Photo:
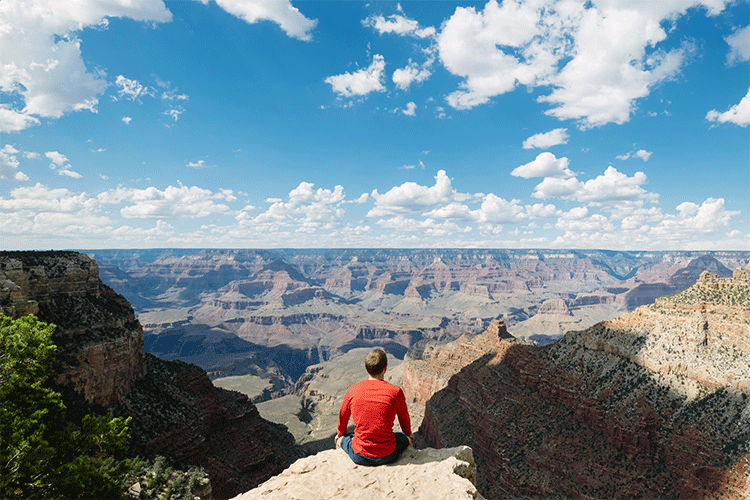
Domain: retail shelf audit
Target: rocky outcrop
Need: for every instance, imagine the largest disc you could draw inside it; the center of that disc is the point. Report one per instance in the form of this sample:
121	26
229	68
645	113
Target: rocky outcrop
99	341
654	404
427	474
428	369
176	410
179	413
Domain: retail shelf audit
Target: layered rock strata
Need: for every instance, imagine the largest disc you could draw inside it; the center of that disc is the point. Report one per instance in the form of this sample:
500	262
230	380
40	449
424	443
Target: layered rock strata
99	341
654	404
427	474
178	412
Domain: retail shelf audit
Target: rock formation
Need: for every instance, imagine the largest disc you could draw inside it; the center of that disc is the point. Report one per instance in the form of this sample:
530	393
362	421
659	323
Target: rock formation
176	410
428	474
654	404
99	341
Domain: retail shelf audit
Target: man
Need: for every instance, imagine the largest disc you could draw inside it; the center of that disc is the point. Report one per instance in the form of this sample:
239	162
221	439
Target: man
373	404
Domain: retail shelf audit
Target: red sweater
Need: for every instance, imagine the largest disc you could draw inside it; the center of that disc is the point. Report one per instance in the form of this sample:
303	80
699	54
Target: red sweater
373	405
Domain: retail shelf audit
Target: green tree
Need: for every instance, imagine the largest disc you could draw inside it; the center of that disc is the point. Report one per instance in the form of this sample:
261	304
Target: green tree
41	454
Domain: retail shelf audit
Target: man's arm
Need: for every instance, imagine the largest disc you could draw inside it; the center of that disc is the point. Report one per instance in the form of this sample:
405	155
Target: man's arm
344	414
403	414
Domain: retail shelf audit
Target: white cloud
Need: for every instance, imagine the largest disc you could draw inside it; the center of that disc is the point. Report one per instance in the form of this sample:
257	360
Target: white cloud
411	197
41	60
40	198
175	112
9	164
306	211
739	46
69	173
57	158
31	155
126	120
198	164
738	114
281	12
13	121
693	220
360	82
131	89
411	109
404	77
547	139
398	25
641	153
611	188
545	165
599	57
181	202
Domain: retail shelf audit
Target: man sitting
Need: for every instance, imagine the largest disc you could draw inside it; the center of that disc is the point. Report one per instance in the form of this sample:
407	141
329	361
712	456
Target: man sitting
373	404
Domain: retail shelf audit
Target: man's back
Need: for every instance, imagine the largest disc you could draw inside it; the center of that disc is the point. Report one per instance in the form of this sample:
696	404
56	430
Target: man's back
373	406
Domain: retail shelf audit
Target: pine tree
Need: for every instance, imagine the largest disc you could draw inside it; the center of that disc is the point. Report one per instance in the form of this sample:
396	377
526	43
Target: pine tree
42	455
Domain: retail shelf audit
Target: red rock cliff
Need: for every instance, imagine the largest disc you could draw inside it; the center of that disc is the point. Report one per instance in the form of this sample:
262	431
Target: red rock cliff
655	404
99	341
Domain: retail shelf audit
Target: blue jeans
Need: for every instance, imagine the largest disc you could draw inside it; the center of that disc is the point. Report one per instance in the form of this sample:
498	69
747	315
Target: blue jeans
402	443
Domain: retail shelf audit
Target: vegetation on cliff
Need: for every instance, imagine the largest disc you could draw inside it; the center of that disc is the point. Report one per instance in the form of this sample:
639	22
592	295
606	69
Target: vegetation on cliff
45	452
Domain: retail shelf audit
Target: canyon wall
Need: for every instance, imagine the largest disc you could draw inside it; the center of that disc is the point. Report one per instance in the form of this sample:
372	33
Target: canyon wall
99	342
176	410
653	404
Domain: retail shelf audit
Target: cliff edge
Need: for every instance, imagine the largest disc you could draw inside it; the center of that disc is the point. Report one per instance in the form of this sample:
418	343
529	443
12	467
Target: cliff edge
654	404
428	474
176	410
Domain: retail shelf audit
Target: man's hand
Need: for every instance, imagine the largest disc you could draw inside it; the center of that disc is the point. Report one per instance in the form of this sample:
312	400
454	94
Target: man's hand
411	440
337	442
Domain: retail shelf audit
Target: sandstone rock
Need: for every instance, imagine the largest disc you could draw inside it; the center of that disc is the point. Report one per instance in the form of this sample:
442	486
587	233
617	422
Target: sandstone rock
654	404
428	474
99	341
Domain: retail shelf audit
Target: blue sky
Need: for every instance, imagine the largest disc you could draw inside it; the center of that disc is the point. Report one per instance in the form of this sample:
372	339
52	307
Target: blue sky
612	124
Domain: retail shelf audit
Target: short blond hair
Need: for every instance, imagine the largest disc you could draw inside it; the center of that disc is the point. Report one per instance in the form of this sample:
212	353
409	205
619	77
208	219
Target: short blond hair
376	361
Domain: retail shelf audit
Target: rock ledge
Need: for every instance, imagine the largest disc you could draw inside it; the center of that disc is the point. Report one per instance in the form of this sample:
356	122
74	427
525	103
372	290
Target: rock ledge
427	474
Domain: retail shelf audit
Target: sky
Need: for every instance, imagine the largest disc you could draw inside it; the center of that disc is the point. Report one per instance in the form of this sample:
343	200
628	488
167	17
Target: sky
599	124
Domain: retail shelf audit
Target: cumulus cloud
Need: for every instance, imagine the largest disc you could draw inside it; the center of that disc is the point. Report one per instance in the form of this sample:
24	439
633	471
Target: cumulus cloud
40	198
126	120
412	197
692	219
57	158
411	109
545	165
598	57
547	139
9	164
739	46
404	77
40	54
738	114
307	210
360	82
611	188
281	12
181	202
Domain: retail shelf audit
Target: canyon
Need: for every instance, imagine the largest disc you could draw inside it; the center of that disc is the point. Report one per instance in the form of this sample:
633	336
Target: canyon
652	404
630	400
273	313
100	365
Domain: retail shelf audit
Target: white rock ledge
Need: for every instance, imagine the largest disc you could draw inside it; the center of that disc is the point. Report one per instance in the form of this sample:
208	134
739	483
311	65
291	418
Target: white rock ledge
429	474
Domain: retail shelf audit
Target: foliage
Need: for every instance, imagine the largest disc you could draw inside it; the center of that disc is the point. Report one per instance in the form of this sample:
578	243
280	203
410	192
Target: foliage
42	455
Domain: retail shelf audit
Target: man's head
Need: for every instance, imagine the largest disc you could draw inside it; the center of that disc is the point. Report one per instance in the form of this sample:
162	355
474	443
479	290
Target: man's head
376	361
